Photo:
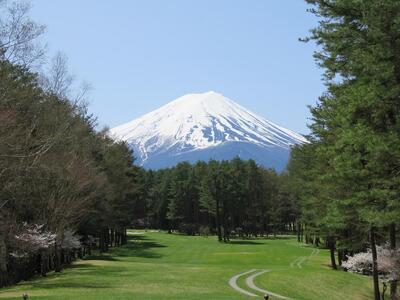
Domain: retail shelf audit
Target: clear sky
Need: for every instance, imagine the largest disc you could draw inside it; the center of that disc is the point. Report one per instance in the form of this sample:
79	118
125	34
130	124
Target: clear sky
141	54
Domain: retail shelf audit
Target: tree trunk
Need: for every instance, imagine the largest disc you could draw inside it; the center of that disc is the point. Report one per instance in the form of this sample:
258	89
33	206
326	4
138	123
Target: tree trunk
218	221
375	274
340	256
301	232
57	263
44	263
118	237
3	262
104	239
112	239
125	236
393	284
107	238
331	245
101	241
51	260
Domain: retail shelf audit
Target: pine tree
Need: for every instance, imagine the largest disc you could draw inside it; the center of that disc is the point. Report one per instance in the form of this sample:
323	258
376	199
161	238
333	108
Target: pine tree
357	120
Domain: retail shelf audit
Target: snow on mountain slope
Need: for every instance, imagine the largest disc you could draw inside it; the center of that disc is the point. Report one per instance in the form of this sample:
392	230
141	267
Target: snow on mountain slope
198	122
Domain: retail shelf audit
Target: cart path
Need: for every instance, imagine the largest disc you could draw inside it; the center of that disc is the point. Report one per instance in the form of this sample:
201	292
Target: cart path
233	283
300	260
250	284
252	274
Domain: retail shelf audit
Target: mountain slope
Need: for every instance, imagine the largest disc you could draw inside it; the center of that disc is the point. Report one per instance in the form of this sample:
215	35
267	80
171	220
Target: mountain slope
204	126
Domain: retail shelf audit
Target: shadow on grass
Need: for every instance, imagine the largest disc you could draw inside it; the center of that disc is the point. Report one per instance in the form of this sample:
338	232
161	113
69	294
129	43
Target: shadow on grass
66	279
245	242
139	246
281	237
70	285
264	238
98	257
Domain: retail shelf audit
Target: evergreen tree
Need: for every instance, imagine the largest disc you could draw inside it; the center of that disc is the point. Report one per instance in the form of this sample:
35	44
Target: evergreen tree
357	120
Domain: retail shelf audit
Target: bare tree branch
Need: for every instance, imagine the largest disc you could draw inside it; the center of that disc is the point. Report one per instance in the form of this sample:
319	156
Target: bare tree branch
19	35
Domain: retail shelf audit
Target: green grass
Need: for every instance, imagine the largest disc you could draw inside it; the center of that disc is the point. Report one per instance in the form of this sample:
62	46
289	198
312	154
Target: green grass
163	266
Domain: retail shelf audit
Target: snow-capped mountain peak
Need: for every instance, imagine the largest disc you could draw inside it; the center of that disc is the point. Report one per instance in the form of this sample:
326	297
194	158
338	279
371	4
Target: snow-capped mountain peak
201	121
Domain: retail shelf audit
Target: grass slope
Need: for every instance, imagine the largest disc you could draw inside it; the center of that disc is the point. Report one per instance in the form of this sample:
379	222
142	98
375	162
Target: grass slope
163	266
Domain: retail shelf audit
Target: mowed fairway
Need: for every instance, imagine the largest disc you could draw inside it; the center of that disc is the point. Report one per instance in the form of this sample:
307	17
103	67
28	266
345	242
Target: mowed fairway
157	265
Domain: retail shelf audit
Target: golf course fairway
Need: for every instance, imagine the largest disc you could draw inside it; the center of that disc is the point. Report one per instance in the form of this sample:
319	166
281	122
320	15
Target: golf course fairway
158	265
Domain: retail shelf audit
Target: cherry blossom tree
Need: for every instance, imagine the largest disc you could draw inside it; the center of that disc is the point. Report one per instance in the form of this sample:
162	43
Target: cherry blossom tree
388	264
31	239
70	240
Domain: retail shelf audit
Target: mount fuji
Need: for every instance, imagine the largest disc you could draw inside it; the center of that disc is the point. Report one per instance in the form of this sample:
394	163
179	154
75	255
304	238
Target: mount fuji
202	127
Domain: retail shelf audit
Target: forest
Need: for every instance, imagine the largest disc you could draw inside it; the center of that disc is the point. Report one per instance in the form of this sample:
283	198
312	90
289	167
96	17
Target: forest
347	178
66	187
221	198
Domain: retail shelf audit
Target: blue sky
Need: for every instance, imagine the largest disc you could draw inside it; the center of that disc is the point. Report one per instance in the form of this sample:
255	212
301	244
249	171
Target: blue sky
139	55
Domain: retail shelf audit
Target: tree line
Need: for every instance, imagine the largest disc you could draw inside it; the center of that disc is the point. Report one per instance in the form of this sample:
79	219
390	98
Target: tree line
64	186
346	179
225	198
